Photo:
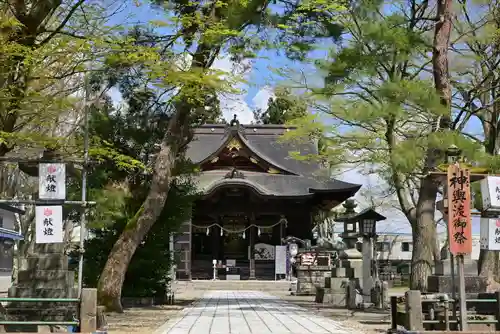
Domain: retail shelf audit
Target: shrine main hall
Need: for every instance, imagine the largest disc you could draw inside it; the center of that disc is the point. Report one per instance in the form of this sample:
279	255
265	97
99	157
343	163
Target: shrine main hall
254	194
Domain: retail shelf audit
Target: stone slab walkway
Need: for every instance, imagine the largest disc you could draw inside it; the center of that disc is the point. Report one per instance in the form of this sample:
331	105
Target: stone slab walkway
245	312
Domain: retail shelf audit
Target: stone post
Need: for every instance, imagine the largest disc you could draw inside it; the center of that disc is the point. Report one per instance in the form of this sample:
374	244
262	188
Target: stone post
367	269
88	311
414	315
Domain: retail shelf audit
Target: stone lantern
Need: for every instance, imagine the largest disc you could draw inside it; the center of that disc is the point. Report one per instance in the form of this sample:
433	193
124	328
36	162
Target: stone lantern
366	220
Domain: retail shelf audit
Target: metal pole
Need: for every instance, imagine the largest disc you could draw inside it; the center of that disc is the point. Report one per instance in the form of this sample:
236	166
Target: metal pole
84	185
461	291
452	257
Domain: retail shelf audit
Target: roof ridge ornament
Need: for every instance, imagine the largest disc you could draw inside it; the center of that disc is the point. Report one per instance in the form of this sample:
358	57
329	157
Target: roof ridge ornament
234	121
234	174
235	127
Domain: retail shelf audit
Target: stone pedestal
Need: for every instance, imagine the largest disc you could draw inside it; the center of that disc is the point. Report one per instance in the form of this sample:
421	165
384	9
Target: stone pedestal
443	284
311	277
441	281
44	274
336	288
443	267
340	288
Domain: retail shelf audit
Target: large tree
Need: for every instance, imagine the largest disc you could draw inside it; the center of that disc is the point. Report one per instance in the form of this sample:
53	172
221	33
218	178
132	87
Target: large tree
385	112
208	29
281	108
475	58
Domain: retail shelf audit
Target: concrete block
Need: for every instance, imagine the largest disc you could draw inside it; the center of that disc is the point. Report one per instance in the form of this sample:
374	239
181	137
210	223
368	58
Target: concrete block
443	284
45	262
339	272
356	272
336	283
335	299
49	248
19	292
45	275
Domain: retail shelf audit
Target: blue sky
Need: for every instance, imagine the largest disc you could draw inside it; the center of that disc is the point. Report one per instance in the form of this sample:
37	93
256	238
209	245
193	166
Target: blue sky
261	78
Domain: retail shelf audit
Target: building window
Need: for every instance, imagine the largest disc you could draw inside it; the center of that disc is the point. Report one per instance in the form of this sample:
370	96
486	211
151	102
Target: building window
383	246
406	246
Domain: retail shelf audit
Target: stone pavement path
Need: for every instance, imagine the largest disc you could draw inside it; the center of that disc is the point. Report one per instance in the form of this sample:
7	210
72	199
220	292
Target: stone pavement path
245	312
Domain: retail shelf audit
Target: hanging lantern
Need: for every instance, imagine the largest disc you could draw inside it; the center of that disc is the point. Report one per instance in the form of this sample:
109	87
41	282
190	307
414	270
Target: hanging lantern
208	231
258	231
243	235
221	232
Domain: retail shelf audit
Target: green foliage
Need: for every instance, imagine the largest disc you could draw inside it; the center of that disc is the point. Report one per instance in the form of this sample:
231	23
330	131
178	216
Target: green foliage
134	132
281	109
147	273
379	109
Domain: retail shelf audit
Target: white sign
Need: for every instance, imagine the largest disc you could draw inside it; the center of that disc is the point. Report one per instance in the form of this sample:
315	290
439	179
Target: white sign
280	260
52	181
49	225
490	193
490	234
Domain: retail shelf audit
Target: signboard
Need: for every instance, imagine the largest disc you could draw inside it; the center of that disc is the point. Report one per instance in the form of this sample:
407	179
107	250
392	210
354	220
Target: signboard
263	252
490	193
280	260
49	225
490	234
52	181
459	217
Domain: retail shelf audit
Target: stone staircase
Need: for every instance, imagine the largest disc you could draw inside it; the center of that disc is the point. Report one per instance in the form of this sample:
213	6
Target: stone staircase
253	285
43	274
203	270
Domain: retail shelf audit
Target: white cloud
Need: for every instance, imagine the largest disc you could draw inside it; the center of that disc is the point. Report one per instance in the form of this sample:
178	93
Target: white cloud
235	104
260	99
373	186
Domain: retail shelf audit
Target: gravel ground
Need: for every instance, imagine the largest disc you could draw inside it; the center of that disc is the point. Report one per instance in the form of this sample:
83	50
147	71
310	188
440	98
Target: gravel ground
143	319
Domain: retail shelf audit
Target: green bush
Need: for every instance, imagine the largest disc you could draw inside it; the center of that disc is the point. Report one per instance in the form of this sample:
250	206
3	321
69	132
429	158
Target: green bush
148	271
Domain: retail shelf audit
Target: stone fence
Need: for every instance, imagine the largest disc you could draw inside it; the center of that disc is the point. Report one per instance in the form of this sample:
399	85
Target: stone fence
419	313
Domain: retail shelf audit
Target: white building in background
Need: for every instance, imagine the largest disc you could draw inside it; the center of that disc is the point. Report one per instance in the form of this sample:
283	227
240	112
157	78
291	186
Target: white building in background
8	235
399	246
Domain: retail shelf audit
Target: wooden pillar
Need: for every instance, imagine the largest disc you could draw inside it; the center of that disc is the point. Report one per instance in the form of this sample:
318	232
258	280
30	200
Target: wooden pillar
182	247
214	237
252	252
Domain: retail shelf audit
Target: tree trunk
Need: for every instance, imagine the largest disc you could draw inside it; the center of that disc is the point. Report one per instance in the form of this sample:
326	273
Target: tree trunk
424	231
424	236
440	69
113	275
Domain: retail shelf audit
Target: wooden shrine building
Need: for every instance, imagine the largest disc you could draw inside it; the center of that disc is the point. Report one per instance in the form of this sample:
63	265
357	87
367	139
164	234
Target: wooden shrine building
254	195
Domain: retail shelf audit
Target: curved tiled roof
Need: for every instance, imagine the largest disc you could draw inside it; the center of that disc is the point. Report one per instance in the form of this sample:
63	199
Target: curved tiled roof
263	140
274	184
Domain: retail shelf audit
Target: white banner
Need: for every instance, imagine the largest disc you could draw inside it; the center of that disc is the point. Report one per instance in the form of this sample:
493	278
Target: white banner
49	224
52	181
280	260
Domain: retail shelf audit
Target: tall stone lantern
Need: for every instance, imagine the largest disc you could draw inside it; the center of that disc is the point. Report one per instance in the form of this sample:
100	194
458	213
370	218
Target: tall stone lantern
350	234
366	220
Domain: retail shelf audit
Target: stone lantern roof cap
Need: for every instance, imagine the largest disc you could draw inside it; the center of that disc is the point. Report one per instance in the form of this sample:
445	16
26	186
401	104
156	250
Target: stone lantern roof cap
368	213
